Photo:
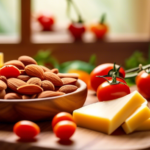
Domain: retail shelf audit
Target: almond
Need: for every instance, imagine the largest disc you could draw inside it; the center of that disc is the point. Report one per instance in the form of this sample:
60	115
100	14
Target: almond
14	83
35	71
68	88
49	94
45	69
26	60
34	80
3	78
24	77
29	89
28	97
68	75
47	85
53	78
3	85
55	70
22	72
12	96
2	94
68	81
16	63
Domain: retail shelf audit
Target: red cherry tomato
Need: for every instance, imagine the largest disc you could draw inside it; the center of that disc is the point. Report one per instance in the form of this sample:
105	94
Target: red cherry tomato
77	30
106	91
26	129
64	129
9	71
143	83
102	70
61	117
46	21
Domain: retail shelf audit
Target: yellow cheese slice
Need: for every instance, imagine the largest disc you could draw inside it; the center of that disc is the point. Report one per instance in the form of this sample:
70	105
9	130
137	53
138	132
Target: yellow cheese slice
1	60
107	116
145	126
136	119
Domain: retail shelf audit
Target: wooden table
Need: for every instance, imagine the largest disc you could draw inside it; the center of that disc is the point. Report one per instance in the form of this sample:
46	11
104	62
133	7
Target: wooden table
83	139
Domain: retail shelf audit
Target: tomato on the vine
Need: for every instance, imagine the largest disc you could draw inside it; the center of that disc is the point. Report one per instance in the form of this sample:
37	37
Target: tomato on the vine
143	83
109	91
102	70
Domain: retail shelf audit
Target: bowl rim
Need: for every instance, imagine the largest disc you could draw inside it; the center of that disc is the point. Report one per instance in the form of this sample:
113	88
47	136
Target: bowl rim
81	84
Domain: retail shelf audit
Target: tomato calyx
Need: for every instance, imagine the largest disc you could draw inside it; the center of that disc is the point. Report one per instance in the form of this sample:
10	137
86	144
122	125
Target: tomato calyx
114	79
116	70
102	19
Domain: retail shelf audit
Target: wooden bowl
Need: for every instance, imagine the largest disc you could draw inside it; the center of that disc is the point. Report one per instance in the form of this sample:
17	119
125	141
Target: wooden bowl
42	108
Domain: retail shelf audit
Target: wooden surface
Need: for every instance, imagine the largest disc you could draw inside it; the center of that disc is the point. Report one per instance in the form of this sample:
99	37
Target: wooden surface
83	139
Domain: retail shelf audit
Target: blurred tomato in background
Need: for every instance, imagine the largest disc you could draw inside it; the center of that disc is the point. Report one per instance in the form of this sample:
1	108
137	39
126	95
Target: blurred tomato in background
84	76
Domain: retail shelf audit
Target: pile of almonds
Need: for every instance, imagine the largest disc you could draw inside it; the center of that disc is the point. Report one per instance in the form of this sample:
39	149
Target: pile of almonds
34	81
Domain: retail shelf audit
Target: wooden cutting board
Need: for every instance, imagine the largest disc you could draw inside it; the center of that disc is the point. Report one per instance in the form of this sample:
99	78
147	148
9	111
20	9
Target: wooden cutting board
83	139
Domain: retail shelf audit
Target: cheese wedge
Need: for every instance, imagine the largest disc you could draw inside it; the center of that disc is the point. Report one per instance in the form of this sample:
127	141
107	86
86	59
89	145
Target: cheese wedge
136	119
107	116
1	60
145	126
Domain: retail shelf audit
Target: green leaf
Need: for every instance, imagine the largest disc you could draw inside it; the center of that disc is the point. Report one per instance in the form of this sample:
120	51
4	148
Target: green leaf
92	60
135	59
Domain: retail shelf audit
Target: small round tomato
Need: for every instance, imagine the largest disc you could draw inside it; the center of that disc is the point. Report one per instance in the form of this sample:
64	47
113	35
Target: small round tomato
143	83
9	71
102	70
64	129
77	30
99	30
84	76
46	21
61	117
107	91
26	129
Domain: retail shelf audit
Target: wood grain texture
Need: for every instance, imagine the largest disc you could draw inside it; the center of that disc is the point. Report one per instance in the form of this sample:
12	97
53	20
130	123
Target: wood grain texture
83	139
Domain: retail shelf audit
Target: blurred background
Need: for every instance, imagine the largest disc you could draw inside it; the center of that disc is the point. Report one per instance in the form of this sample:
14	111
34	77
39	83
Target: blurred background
111	31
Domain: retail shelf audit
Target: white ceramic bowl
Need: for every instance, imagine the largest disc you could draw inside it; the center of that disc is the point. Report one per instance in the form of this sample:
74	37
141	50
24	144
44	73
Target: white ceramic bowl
42	108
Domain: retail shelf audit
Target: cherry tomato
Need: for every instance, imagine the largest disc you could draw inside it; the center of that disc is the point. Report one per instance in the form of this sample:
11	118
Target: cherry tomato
77	30
9	71
99	30
102	70
26	129
107	91
64	129
143	83
61	117
46	21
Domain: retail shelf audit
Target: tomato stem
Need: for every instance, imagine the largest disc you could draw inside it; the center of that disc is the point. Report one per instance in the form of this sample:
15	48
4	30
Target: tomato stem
69	2
102	19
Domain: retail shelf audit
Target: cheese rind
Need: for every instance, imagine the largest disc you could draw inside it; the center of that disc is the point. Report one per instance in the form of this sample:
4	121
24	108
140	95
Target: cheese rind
107	116
145	126
136	119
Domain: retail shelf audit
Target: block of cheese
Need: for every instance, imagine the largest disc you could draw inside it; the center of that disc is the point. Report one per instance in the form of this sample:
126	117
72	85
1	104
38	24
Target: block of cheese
136	119
107	116
145	126
1	60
